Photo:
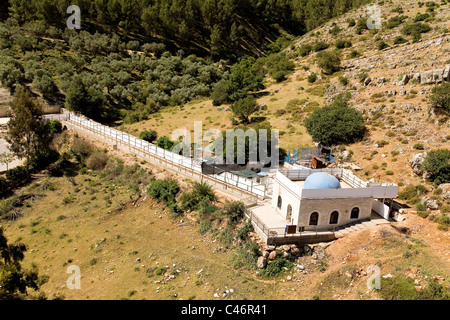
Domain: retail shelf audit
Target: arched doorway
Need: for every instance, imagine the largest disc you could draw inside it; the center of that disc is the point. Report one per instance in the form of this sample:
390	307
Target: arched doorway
289	213
314	219
334	217
355	213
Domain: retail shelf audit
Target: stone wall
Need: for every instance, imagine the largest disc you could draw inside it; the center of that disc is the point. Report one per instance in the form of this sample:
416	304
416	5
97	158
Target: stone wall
326	206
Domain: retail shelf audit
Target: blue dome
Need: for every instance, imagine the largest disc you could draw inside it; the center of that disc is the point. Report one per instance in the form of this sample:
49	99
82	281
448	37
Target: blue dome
321	180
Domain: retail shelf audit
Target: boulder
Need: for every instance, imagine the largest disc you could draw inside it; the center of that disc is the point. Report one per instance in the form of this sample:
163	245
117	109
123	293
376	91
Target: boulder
445	191
427	77
273	255
285	248
405	80
367	81
306	248
446	74
261	263
416	162
430	203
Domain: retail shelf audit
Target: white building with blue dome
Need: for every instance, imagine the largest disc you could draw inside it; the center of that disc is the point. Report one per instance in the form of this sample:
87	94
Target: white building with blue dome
316	203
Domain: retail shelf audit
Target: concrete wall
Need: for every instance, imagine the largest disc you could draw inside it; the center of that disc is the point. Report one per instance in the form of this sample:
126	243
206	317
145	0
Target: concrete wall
326	206
288	197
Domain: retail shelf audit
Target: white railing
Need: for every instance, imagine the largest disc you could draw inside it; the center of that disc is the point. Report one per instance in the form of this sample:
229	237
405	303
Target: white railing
144	148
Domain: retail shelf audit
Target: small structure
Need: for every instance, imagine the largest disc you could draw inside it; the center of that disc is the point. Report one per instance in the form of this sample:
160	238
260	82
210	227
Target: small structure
317	202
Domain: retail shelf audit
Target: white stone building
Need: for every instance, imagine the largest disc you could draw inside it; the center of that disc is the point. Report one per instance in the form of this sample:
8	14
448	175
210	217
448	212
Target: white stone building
320	200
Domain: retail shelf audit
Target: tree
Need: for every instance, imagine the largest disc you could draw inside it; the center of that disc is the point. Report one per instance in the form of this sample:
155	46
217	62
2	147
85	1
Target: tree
437	163
6	158
11	73
335	124
220	93
88	101
440	98
149	136
244	108
329	61
14	281
27	130
244	77
165	143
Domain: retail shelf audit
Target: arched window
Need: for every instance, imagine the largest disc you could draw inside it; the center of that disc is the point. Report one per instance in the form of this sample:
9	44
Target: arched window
314	219
289	213
355	213
334	217
279	202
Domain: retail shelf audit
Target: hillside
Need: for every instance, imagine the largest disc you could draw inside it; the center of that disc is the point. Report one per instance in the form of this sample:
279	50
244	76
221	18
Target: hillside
131	245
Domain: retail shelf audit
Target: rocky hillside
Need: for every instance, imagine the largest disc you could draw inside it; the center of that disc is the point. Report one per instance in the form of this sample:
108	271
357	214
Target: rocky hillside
388	74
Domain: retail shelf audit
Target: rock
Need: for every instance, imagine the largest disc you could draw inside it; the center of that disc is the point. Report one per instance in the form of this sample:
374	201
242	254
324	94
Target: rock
306	248
430	203
286	254
261	263
265	254
288	278
367	81
445	191
272	255
295	252
285	248
405	80
416	162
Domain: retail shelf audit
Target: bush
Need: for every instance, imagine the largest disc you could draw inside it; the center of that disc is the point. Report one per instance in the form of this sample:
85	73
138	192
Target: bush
342	44
202	194
419	146
382	45
97	161
403	288
17	174
354	54
437	163
55	126
336	124
400	40
395	21
321	45
312	78
164	190
440	98
165	143
276	267
305	50
149	136
329	62
234	210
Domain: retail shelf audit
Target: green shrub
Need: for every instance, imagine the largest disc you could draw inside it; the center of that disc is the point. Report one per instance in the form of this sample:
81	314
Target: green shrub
399	40
97	161
437	163
440	98
276	267
17	174
55	126
148	135
204	227
234	210
329	62
320	45
342	44
336	124
305	50
419	146
312	78
382	45
164	190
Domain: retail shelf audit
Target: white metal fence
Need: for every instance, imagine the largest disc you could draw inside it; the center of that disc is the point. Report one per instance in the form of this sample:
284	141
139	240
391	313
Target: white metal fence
143	148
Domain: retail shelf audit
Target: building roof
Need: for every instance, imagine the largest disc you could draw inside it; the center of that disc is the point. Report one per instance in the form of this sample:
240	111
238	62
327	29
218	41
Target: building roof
321	180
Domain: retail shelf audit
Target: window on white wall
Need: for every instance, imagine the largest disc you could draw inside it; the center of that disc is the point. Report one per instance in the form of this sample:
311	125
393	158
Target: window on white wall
334	217
314	219
355	213
279	202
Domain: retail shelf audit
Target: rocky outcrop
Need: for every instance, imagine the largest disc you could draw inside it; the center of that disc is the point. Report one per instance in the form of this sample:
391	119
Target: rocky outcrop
416	162
445	191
